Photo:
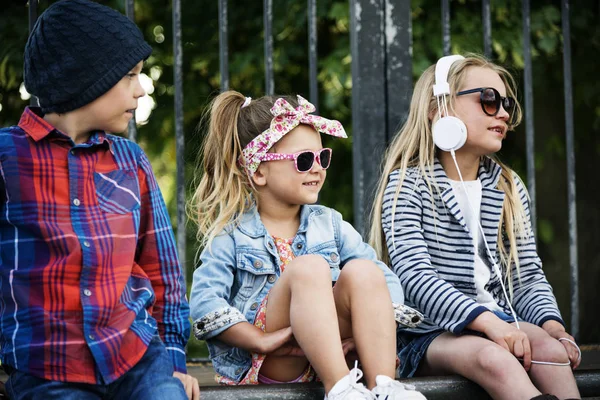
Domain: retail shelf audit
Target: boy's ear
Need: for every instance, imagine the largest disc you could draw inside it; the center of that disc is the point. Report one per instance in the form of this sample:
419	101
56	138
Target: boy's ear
259	178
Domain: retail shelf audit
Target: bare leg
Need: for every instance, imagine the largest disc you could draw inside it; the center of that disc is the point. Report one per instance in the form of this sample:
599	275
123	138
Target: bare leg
482	361
556	380
365	312
302	298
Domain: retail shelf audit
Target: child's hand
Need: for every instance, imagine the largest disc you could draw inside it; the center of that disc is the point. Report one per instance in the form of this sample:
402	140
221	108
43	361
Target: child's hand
280	343
505	335
511	339
190	384
348	345
557	331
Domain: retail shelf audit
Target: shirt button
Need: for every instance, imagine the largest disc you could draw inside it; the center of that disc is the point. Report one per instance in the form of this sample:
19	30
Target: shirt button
87	292
299	246
91	337
254	306
271	278
258	264
86	243
76	202
334	257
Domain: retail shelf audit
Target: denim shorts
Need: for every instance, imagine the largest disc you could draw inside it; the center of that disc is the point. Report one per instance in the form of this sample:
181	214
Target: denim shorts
414	345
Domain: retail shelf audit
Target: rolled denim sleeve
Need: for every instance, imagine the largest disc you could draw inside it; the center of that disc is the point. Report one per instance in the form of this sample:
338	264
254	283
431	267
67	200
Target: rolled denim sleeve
211	289
352	246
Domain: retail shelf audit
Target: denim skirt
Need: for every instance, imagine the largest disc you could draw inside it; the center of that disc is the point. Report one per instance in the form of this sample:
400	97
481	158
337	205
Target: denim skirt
413	346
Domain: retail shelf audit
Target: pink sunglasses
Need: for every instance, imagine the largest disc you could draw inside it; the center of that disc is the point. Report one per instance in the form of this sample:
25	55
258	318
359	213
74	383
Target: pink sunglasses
303	160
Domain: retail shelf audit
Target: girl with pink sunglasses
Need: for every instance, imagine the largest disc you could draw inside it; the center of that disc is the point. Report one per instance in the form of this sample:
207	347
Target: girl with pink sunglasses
286	289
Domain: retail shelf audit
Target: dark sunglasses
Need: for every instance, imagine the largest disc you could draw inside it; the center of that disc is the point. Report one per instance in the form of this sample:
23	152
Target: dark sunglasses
491	100
304	160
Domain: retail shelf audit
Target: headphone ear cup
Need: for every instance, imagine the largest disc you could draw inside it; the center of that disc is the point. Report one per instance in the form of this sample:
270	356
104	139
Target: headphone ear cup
449	133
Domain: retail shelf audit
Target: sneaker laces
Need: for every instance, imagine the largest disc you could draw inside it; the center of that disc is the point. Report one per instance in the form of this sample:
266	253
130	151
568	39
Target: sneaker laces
355	387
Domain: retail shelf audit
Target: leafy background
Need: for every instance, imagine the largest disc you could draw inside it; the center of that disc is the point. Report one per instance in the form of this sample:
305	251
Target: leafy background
246	61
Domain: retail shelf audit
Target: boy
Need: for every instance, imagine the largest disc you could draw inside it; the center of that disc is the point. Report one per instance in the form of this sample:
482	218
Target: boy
92	296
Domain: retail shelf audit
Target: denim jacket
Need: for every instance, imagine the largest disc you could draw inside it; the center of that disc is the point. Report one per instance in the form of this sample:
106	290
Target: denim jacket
239	268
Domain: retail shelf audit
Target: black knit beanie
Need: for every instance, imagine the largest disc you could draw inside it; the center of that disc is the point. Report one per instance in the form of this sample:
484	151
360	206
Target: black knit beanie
78	50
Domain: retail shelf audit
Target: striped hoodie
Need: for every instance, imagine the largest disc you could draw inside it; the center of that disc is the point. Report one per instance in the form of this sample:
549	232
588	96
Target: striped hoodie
431	250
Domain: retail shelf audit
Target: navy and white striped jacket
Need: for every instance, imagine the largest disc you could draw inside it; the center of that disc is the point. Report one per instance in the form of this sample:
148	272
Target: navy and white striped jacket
432	252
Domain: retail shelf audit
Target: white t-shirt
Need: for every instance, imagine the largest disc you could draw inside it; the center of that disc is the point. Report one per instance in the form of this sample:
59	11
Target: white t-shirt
483	266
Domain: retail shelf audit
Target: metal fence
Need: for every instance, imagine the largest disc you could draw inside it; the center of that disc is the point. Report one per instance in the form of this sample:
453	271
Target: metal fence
381	48
382	65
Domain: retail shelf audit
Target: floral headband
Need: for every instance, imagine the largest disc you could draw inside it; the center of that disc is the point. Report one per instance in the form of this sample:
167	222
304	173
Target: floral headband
286	118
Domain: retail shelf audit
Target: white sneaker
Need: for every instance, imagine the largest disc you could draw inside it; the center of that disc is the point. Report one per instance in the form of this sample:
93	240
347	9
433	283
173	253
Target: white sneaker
390	389
348	388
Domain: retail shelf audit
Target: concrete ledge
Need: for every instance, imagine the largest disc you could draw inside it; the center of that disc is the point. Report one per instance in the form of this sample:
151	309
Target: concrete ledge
434	388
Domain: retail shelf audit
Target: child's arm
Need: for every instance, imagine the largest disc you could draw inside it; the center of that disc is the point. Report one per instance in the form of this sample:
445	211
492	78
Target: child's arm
210	299
440	301
156	254
533	297
210	296
352	246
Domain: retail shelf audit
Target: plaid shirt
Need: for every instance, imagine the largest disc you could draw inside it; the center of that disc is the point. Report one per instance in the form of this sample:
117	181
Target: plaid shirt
88	264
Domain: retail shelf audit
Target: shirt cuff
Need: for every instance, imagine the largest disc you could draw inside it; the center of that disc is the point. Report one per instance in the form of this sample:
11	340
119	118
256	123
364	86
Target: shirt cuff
407	316
217	320
551	318
472	315
178	356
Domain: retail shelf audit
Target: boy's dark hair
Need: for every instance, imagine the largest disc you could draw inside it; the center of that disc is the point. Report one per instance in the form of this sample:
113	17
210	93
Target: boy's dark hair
77	51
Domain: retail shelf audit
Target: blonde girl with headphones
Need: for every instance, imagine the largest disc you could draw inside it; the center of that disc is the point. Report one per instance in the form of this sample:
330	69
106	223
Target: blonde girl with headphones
453	223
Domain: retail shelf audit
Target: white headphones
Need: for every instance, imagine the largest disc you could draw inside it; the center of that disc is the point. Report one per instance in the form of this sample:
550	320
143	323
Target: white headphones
449	133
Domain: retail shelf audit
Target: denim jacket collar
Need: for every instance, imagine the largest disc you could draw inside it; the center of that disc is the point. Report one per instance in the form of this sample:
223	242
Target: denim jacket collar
252	226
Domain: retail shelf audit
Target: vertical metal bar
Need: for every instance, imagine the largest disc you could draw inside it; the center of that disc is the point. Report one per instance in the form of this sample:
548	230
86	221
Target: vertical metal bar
566	31
223	45
132	126
312	53
369	119
446	26
398	40
33	15
487	28
529	128
268	23
179	137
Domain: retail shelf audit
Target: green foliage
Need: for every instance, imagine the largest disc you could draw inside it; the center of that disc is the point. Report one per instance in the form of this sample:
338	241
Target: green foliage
201	77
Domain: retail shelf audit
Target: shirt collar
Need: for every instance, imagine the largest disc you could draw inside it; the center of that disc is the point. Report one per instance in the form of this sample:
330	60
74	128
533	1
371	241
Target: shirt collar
33	123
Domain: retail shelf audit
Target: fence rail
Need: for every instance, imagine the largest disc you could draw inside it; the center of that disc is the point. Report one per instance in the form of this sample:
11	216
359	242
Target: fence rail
381	50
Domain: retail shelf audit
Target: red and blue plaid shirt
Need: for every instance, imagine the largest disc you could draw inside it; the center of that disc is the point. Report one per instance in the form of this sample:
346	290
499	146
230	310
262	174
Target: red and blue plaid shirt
88	264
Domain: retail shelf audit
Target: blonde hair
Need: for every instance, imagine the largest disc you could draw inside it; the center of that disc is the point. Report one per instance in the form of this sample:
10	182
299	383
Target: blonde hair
225	192
413	147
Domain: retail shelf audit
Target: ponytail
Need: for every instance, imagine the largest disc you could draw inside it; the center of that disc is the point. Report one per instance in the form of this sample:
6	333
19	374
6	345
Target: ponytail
225	192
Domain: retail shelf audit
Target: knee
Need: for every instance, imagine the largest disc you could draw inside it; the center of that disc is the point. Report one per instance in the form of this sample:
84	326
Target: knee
495	361
309	268
364	273
548	349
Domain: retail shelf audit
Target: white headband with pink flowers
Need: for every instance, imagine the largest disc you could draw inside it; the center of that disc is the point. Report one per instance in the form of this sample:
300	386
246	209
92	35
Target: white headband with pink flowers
286	118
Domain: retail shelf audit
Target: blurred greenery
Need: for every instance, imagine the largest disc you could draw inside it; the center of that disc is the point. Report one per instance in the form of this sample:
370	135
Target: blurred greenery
200	37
